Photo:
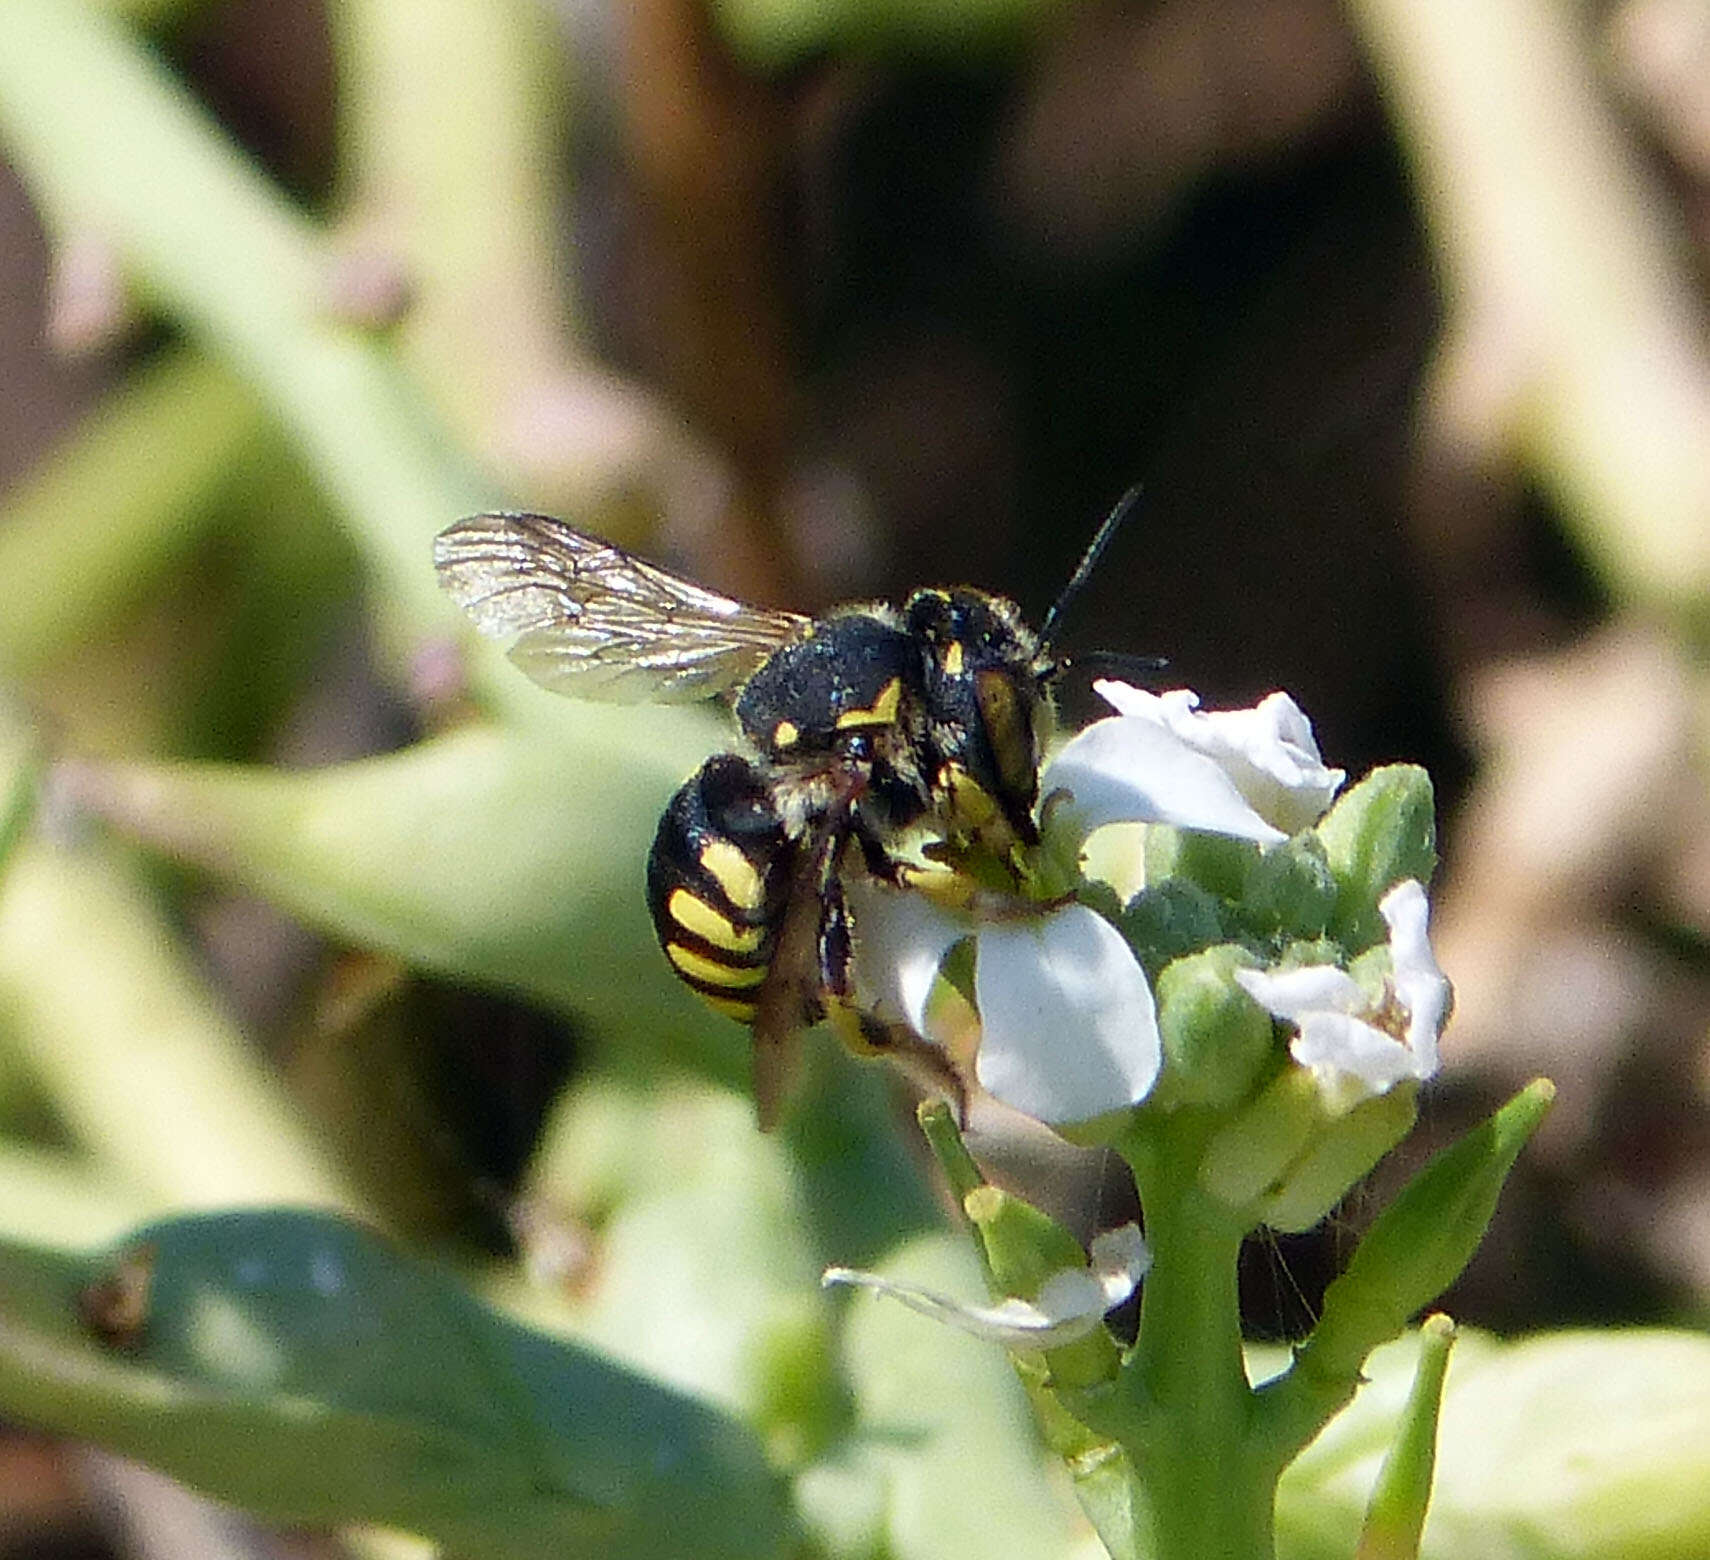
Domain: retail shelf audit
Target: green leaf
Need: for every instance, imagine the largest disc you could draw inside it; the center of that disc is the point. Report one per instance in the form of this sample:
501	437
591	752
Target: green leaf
1418	1245
296	1364
1566	1446
498	856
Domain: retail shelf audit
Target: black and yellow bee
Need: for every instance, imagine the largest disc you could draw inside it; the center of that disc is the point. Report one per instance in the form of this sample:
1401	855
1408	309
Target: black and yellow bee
869	723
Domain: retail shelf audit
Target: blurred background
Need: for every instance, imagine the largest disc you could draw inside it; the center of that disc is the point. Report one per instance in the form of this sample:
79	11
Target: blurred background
1395	312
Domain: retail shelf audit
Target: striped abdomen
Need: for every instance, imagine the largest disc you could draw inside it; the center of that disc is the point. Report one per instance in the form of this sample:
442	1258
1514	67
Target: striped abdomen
717	881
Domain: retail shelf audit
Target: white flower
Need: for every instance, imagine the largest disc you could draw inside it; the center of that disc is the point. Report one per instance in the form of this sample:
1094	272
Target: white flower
1255	774
1355	1047
1068	1307
1068	1028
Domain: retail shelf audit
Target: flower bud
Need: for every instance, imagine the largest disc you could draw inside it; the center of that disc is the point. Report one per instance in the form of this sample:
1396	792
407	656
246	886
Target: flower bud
1290	1156
1216	1038
1340	1156
1170	919
1290	891
1381	831
1218	863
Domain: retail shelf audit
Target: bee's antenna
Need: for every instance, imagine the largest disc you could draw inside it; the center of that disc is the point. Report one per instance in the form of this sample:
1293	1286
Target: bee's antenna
1119	661
1089	561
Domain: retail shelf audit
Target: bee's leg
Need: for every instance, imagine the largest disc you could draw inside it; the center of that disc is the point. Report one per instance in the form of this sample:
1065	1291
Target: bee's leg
836	946
877	859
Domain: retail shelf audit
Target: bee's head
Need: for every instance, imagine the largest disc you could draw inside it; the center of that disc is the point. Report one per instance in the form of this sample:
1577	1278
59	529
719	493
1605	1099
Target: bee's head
986	708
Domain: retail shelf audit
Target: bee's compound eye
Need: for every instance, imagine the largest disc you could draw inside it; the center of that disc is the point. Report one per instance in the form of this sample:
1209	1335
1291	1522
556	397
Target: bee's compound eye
1008	723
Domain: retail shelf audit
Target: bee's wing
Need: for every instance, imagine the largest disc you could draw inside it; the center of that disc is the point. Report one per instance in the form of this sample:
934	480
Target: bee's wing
592	620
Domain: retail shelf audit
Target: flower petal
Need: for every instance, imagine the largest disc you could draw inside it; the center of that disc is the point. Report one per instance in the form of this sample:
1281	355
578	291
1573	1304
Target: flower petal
1314	988
1069	1306
1120	1259
1272	756
1268	752
900	940
1420	985
1068	1027
1335	1043
1137	770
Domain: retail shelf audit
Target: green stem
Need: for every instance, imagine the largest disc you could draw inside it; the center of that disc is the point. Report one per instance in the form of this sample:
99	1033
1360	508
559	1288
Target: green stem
1184	1403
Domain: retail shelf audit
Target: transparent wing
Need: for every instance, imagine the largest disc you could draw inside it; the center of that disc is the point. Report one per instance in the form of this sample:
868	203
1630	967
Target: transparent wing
592	620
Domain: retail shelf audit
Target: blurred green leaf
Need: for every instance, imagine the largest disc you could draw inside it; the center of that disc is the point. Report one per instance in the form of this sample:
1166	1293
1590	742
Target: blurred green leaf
297	1365
707	1274
132	1049
506	858
119	502
1567	1446
107	140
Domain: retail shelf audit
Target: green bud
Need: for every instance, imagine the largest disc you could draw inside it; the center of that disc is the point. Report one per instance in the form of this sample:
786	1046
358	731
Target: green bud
1292	1154
1170	919
1319	950
1216	1038
1246	1160
1290	891
1216	862
1341	1155
1379	833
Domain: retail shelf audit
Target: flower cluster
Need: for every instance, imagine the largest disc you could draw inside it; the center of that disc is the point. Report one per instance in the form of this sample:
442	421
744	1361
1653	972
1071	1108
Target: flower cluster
1069	1024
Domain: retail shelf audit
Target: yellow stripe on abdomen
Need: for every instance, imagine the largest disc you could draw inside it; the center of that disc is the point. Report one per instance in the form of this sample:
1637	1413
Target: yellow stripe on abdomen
734	873
700	919
732	1007
697	966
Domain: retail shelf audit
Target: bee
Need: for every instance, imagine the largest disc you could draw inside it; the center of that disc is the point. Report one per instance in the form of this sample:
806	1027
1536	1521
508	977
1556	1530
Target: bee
869	724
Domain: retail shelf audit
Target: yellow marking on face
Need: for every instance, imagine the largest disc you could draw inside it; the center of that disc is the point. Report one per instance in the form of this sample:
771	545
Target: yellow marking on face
881	712
697	916
953	659
731	1007
734	873
700	967
786	734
